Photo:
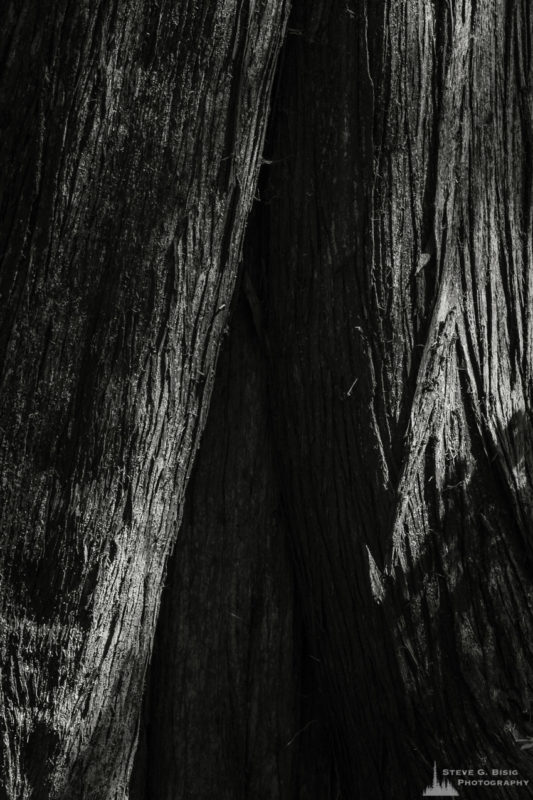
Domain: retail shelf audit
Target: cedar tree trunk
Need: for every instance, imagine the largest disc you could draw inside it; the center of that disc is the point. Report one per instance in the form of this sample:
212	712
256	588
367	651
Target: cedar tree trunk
129	151
398	309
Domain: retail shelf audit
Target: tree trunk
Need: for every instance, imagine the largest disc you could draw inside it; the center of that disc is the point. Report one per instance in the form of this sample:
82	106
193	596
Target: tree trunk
398	311
130	146
394	315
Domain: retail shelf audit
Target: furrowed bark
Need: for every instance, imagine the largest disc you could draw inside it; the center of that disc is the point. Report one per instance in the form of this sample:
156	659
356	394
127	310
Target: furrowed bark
398	310
130	145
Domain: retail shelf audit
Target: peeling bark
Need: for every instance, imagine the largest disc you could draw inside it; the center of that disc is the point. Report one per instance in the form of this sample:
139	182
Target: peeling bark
398	311
130	145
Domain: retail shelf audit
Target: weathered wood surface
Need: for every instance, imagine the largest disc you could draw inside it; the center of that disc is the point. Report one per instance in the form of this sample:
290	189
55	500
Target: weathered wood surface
399	316
131	134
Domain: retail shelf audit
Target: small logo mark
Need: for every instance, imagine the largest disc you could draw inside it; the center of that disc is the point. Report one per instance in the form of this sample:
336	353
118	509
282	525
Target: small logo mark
439	789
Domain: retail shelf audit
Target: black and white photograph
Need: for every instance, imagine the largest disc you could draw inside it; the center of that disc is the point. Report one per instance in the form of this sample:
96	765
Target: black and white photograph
266	399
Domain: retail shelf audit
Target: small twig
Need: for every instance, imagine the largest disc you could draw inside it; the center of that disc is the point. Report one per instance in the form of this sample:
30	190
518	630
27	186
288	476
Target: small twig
352	387
305	727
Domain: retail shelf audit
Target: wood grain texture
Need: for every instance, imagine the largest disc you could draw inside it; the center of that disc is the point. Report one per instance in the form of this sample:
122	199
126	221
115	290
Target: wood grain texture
131	134
398	311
